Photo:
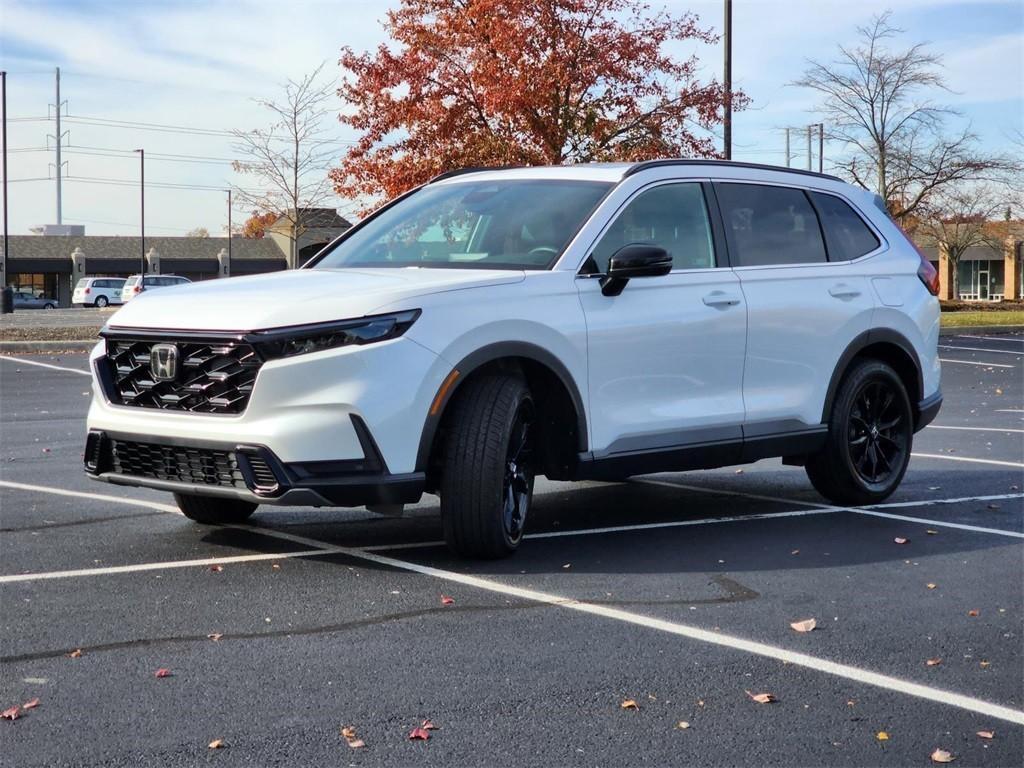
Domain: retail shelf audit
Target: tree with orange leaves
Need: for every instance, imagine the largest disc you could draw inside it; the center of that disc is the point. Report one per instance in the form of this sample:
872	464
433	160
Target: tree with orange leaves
522	82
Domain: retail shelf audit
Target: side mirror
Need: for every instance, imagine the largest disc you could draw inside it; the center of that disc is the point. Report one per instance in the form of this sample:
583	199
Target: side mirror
634	260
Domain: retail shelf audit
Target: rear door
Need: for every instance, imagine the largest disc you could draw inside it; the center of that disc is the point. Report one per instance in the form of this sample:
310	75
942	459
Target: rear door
665	356
803	308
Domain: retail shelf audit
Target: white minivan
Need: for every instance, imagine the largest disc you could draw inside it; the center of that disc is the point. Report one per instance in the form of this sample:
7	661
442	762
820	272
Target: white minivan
586	322
132	288
98	291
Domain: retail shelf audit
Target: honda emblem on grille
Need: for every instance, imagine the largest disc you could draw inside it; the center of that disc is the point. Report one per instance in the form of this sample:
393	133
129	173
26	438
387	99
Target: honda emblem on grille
163	362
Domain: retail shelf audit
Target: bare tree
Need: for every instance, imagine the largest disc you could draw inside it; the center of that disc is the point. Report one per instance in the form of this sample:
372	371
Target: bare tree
291	157
198	232
878	102
958	219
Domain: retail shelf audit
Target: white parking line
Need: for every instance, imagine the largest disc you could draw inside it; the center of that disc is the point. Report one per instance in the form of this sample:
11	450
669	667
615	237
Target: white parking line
993	462
1017	339
45	365
926	521
1009	410
973	362
977	429
846	671
982	349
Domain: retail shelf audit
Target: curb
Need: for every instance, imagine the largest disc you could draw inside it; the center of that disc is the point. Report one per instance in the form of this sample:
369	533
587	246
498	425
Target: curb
31	347
993	329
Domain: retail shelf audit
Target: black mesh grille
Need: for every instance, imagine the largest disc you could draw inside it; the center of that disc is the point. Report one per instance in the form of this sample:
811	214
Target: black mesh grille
214	376
202	466
262	475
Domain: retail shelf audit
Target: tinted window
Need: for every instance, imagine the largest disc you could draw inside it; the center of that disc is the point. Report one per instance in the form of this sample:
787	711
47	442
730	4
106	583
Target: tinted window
84	282
770	225
672	216
506	224
847	235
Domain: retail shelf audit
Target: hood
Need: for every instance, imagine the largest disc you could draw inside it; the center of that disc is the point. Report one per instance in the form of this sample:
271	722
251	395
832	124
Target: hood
293	297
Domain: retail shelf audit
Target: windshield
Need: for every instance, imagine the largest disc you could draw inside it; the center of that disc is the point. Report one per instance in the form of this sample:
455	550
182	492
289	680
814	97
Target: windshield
510	224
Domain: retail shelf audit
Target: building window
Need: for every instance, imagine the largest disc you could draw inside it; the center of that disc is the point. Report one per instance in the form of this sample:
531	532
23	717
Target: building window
981	280
38	284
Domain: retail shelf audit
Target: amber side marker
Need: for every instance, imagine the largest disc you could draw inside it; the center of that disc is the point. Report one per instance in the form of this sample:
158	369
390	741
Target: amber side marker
443	391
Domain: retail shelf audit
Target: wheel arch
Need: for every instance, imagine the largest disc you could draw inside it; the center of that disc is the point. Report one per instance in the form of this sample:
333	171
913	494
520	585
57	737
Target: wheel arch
550	381
892	348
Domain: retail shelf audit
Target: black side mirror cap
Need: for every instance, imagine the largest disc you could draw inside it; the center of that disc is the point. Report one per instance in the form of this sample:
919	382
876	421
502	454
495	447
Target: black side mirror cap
635	260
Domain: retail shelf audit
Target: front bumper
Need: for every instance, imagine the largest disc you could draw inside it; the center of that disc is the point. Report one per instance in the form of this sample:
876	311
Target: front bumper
248	472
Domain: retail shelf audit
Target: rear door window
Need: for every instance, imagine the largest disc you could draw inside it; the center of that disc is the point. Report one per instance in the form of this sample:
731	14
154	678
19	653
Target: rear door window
768	225
847	235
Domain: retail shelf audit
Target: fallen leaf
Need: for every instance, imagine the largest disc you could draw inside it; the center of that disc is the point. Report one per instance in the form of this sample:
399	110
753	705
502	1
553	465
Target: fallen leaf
629	704
215	636
934	487
162	672
75	653
983	664
761	698
931	532
972	612
993	506
356	743
999	391
419	733
682	725
933	662
739	471
11	714
930	585
445	600
882	736
30	704
567	566
804	626
426	725
851	703
942	756
901	540
795	552
987	734
348	732
216	568
276	566
217	744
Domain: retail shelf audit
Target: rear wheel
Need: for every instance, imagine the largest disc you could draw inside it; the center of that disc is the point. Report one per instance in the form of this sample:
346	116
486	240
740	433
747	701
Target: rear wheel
101	301
487	481
214	511
870	434
49	306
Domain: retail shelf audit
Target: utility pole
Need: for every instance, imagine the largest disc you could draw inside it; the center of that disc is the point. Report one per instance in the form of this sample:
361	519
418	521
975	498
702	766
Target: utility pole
788	153
58	139
821	147
7	299
727	78
142	218
810	129
229	231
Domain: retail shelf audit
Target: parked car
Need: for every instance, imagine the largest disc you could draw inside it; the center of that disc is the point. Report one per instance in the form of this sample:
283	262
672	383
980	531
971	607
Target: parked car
132	288
588	322
98	291
28	300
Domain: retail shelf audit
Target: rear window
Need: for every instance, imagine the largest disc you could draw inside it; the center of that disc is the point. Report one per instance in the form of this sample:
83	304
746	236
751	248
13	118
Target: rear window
769	225
847	235
83	283
131	281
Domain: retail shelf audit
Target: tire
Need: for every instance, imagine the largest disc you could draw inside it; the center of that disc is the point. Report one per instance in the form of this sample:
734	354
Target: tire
487	478
101	301
870	436
214	511
48	306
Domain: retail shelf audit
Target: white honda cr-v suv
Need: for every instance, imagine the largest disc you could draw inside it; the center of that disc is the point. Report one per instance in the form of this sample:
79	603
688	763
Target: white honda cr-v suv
582	322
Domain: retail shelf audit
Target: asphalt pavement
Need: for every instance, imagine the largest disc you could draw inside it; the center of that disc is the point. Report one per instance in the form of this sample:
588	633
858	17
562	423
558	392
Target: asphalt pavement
675	592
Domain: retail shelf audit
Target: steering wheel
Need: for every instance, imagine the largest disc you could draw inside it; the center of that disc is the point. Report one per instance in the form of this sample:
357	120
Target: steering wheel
542	249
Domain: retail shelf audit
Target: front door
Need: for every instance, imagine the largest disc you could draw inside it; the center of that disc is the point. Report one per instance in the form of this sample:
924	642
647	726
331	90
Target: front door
666	355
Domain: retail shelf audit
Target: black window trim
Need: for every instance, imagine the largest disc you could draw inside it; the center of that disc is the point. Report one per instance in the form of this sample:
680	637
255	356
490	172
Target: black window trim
718	243
883	243
856	212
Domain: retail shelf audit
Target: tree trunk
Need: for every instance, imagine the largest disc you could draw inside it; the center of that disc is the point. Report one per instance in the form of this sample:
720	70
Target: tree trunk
954	272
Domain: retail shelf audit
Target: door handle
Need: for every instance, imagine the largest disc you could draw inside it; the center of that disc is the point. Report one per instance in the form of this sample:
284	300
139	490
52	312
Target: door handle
721	299
844	291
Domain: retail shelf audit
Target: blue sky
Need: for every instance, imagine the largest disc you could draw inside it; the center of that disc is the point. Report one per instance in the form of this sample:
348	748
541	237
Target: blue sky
201	63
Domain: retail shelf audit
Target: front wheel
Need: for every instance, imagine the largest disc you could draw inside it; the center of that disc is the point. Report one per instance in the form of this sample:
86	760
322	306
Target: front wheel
487	478
214	511
870	434
49	306
101	301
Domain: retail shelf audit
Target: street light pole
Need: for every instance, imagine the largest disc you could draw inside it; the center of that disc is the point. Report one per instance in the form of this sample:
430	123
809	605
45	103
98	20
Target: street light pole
727	78
142	218
3	264
229	232
821	147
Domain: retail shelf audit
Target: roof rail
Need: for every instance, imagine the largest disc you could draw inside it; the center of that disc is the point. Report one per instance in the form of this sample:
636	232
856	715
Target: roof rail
648	164
471	169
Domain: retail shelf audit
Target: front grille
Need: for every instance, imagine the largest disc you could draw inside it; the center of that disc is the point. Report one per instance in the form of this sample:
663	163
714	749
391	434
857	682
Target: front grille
214	376
201	466
263	476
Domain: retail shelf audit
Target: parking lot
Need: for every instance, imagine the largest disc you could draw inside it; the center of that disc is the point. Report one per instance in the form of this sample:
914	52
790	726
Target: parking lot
675	592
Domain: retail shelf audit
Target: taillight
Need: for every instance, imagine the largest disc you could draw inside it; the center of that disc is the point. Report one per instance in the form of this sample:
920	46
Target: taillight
928	274
87	290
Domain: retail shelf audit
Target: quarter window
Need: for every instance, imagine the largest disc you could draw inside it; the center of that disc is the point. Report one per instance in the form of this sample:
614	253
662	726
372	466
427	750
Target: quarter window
672	216
847	235
770	225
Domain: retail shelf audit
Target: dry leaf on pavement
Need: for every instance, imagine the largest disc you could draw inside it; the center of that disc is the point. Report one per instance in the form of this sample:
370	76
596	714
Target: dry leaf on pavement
933	662
972	612
901	540
419	733
445	600
882	736
984	664
11	714
629	704
216	568
75	653
930	585
217	744
942	756
215	636
356	743
987	734
30	704
162	672
804	626
761	698
427	725
682	725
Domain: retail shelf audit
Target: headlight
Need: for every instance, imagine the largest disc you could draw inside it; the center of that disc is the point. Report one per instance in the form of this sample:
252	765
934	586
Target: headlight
301	339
